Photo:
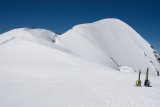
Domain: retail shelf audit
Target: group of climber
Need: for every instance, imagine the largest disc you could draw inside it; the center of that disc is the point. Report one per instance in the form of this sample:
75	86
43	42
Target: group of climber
146	82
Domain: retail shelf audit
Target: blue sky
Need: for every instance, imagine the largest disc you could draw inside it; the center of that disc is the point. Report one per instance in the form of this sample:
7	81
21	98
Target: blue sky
60	15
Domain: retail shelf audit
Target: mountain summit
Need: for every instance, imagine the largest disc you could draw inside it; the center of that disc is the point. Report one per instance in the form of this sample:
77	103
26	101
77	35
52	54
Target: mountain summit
110	42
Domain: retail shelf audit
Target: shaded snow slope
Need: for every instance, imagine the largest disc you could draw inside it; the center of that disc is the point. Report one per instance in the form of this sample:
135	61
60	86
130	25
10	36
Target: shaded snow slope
110	42
28	34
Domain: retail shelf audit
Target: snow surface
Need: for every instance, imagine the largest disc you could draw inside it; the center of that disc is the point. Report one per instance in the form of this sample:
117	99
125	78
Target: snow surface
110	42
125	69
78	69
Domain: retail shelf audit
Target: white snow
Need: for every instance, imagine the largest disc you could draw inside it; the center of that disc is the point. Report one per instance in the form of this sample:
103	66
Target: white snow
110	42
79	69
125	69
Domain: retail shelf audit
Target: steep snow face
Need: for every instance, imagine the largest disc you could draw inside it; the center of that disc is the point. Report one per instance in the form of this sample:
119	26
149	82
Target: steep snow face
40	35
110	42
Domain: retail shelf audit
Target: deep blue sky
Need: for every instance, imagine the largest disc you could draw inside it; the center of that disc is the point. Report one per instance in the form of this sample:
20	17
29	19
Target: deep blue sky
60	15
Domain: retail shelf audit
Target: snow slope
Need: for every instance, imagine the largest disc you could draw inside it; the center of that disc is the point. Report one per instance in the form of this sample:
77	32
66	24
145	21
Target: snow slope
110	42
28	34
35	72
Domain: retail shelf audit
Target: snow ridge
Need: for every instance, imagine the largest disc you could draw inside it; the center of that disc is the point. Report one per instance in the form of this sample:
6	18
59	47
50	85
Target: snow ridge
111	42
91	65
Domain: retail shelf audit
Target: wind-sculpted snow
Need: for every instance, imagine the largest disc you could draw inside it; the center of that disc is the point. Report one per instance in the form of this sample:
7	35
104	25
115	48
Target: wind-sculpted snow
110	42
28	34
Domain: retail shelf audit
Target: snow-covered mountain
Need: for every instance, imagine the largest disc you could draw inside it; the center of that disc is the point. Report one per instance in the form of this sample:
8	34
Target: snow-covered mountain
111	42
39	68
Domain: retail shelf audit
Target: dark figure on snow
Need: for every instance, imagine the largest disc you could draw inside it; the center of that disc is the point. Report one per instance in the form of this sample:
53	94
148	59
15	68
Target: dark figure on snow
147	82
138	82
158	73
